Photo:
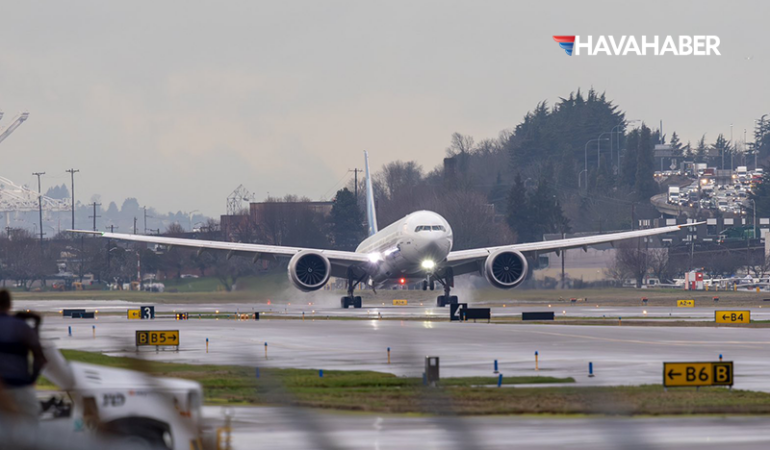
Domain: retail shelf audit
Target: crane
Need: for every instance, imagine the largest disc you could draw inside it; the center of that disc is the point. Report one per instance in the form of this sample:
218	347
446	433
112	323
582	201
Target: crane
14	125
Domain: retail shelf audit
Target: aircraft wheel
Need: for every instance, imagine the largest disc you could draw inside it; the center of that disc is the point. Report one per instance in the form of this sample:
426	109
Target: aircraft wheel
345	302
440	301
357	302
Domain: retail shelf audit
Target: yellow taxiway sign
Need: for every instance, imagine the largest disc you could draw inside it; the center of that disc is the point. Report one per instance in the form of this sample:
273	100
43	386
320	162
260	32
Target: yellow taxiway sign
698	374
732	316
685	303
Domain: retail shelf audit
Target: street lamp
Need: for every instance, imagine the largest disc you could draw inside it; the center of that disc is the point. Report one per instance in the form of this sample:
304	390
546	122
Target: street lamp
585	157
598	156
624	122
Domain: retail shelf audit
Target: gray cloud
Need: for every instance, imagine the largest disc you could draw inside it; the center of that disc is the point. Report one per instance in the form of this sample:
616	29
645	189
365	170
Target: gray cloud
177	103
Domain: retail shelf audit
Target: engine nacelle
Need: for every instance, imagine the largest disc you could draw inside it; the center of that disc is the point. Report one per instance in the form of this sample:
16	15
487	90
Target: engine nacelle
506	269
309	270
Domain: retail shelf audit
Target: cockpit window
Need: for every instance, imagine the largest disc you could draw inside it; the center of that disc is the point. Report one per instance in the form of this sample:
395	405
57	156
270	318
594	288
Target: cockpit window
429	228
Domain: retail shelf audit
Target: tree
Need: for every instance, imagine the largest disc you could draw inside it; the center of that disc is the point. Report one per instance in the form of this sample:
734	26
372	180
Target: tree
761	195
633	259
346	220
174	258
676	145
645	185
700	150
518	208
723	148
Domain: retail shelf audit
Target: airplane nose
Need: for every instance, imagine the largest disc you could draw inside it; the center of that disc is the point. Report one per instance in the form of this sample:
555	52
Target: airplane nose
435	246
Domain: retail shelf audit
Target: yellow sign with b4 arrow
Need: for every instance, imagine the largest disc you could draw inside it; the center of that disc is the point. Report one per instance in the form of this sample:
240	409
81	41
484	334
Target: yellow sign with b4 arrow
732	316
683	374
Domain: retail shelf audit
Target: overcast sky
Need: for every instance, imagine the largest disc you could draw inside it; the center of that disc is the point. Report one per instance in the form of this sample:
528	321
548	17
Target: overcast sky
177	103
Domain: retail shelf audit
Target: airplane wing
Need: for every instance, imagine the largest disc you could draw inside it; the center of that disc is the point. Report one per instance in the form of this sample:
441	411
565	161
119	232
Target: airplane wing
467	261
338	259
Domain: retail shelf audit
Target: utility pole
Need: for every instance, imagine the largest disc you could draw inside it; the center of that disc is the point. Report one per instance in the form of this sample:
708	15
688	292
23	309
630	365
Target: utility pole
145	219
72	172
134	225
109	246
95	216
355	181
40	204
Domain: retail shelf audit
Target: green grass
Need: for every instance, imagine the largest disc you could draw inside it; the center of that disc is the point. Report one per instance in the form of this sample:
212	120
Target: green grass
386	393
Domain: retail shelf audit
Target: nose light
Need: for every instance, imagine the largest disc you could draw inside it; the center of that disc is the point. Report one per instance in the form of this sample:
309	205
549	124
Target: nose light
428	264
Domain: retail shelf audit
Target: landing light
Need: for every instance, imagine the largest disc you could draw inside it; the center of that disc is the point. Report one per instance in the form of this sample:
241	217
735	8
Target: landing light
428	264
374	257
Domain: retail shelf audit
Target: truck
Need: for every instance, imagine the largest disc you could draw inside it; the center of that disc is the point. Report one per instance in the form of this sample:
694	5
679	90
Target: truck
673	195
132	407
741	171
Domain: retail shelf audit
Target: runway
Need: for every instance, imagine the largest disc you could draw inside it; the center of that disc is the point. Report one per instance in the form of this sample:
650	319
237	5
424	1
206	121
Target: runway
622	355
266	427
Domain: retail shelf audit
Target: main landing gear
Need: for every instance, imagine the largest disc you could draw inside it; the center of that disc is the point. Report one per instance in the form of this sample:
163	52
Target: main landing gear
350	299
447	280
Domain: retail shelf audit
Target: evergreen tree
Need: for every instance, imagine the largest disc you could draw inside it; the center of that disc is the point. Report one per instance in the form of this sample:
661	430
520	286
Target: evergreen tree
629	158
761	194
347	222
498	194
676	146
723	149
518	208
700	150
645	185
568	176
687	150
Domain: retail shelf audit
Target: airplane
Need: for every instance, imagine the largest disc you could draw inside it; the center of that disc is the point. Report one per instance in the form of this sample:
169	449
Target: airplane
416	247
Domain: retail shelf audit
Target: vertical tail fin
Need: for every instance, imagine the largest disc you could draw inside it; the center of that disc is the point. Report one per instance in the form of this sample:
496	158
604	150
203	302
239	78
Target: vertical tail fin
371	214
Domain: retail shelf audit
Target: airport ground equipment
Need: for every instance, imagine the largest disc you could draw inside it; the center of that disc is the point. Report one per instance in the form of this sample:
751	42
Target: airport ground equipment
431	370
696	374
147	412
732	316
544	315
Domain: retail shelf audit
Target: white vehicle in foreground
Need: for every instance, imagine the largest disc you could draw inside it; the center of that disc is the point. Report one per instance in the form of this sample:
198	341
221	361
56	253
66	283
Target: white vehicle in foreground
137	409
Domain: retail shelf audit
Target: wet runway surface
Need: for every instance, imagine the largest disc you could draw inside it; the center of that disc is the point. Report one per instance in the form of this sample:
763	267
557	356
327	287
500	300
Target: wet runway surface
621	355
288	429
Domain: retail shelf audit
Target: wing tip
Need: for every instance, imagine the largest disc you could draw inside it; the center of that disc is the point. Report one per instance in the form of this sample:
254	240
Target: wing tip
98	233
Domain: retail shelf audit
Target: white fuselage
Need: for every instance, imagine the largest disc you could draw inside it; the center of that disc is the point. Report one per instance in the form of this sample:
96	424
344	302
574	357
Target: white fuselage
409	247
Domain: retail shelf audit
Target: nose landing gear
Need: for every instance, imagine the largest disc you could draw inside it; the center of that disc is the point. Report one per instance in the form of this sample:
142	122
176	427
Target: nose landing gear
447	280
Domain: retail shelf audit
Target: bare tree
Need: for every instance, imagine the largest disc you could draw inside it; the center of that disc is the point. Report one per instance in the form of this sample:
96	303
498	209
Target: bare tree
633	259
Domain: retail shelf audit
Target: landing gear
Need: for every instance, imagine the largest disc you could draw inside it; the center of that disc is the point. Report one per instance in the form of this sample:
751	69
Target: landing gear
350	299
448	281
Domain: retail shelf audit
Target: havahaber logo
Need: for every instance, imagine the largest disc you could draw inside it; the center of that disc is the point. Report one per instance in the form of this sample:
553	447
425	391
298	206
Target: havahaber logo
565	42
700	45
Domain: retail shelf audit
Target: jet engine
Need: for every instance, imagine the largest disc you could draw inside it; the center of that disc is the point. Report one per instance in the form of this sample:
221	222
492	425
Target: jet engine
309	270
506	269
